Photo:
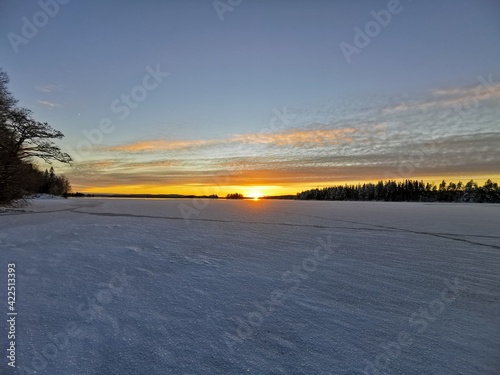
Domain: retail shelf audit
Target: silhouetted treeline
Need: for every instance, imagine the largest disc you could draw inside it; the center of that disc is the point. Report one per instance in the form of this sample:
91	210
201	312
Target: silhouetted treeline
234	196
408	191
79	195
49	183
23	140
28	179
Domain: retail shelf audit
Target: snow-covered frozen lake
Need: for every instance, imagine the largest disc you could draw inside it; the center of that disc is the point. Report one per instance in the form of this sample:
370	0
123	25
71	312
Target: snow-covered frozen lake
107	286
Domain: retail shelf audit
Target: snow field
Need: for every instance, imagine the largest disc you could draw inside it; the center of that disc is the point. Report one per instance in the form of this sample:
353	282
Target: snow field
111	286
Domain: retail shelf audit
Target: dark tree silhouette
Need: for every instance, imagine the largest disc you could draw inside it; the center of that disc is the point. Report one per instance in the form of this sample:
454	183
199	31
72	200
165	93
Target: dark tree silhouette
409	191
234	196
22	139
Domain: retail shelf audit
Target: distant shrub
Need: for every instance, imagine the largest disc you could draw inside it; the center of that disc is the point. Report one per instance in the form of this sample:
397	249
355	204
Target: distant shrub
234	196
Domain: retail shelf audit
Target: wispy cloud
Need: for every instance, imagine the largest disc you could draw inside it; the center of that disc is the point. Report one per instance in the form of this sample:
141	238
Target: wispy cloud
121	165
449	98
161	145
299	137
47	88
48	104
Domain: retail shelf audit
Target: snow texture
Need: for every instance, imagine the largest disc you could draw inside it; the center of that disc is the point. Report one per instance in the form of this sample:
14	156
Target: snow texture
129	286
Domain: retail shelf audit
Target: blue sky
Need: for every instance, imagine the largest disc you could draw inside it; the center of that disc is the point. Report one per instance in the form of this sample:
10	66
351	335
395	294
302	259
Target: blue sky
420	79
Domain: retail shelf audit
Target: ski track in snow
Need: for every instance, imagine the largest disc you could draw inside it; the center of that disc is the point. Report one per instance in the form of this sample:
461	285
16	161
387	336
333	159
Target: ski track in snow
149	292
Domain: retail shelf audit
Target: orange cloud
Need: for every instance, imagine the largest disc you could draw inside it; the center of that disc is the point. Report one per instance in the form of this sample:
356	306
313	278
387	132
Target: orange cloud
160	145
451	98
298	137
293	137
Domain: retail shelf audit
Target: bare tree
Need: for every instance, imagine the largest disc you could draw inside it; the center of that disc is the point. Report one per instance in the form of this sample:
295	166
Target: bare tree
7	101
22	139
32	139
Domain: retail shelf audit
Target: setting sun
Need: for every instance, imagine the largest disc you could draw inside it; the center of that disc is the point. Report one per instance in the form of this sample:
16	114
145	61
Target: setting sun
255	195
